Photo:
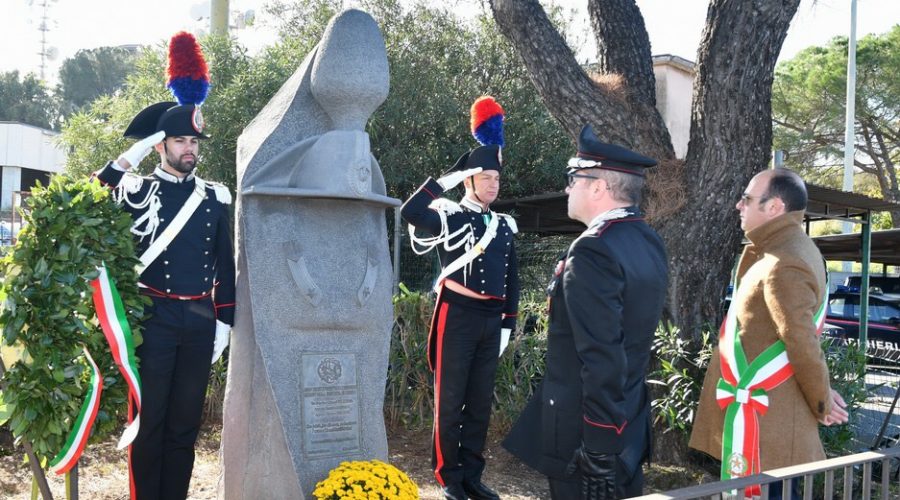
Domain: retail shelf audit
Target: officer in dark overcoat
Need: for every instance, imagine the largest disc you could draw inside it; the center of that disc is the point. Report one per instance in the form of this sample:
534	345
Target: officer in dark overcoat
476	309
588	426
183	233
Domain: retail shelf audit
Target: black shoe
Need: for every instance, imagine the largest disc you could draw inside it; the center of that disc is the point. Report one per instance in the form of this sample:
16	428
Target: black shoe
479	491
454	491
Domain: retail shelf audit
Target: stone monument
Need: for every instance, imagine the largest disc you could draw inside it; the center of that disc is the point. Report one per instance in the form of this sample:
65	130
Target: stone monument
309	350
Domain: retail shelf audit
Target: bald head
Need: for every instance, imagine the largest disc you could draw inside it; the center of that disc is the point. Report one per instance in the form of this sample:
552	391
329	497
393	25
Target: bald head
785	185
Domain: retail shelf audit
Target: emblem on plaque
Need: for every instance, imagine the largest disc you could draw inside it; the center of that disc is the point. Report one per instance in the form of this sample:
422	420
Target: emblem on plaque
329	370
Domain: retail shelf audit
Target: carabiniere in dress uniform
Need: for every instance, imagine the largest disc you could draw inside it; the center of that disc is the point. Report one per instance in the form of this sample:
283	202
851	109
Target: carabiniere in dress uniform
477	303
183	233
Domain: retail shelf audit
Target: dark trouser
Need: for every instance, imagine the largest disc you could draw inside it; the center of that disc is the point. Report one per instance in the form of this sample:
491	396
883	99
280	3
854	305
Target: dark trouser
174	366
776	490
626	487
468	345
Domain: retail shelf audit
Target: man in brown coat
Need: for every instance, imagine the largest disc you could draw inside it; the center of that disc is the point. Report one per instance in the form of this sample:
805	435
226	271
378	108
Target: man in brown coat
777	310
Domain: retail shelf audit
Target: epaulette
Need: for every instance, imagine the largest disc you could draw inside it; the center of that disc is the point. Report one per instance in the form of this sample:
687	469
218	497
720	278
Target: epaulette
223	194
131	183
511	222
445	206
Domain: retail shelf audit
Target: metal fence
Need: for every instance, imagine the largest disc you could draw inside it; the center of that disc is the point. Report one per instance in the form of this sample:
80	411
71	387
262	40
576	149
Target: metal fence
850	477
877	421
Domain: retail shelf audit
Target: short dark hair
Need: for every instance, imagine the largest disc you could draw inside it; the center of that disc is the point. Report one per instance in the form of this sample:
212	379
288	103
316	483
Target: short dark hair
624	187
786	185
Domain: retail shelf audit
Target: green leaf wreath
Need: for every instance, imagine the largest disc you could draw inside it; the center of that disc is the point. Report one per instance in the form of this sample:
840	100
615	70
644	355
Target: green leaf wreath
48	317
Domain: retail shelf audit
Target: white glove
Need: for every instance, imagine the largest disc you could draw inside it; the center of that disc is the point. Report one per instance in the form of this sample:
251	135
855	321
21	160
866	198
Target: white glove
222	330
139	150
504	339
450	180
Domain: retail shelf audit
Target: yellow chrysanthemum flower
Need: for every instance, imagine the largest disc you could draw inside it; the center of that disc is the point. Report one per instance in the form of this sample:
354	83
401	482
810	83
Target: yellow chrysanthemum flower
366	480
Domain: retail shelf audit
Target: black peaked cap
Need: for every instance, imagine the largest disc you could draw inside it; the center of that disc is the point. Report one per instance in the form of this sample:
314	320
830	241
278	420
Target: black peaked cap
608	156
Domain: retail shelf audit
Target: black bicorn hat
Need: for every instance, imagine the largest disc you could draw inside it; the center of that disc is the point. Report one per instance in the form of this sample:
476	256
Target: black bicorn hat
489	157
169	117
595	154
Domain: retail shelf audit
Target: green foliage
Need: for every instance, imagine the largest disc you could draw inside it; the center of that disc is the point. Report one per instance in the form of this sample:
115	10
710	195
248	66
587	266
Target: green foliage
808	107
521	367
91	73
847	368
71	227
94	135
439	65
408	394
680	375
27	100
215	390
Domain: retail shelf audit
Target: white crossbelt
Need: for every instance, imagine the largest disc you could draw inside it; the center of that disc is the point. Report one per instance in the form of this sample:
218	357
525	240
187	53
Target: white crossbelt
489	233
175	227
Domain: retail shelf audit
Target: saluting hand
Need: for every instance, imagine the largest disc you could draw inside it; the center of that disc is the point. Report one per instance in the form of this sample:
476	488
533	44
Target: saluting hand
139	150
450	180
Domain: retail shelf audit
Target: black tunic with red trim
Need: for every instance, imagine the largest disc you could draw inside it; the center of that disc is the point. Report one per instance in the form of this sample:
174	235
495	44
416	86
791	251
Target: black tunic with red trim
493	273
606	299
201	257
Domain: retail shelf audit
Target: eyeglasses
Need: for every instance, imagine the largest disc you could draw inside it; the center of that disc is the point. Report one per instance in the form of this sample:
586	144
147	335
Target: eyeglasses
746	198
574	177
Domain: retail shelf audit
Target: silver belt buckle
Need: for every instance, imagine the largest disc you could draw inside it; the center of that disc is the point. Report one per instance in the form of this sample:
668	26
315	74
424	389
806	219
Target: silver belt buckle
182	297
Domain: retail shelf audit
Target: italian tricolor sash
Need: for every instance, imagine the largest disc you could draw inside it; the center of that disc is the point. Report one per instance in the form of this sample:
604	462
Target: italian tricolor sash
114	323
743	392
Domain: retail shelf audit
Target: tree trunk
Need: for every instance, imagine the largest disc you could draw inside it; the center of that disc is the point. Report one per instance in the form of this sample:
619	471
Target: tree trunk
624	46
572	96
731	129
731	140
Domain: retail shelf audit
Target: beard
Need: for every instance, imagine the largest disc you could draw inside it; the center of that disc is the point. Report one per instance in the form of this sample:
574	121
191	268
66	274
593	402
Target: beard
185	164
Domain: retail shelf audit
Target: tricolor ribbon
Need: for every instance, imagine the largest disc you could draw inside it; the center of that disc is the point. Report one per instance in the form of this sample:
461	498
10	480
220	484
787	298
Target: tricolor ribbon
74	445
743	393
114	323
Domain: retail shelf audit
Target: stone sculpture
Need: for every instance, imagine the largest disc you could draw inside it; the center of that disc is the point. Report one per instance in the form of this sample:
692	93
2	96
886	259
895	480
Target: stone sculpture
309	351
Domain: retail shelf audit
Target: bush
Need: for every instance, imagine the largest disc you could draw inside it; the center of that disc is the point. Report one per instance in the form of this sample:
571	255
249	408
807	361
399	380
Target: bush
521	367
408	394
847	369
680	375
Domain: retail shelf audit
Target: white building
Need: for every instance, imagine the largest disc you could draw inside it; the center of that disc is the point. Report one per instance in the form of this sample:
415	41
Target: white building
27	154
674	92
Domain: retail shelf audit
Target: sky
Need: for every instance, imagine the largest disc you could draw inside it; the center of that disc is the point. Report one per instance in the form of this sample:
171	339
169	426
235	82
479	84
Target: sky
674	26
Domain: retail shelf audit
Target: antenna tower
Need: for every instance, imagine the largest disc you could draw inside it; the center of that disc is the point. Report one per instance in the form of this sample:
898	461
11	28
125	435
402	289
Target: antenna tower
46	53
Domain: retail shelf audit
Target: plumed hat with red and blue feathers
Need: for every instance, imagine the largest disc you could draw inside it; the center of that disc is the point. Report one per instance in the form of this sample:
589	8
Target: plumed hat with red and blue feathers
188	80
486	122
